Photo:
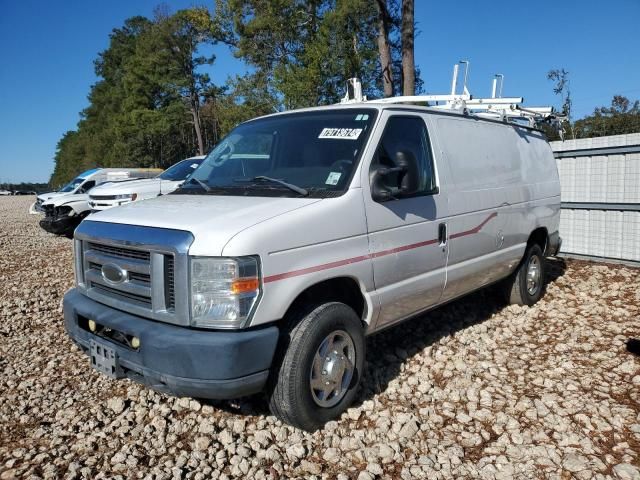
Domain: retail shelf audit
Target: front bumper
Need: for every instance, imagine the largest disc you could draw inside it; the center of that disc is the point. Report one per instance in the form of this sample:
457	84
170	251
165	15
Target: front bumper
61	225
177	360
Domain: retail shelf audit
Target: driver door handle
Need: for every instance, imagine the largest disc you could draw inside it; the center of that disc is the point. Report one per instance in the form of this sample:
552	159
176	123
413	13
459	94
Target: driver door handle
442	234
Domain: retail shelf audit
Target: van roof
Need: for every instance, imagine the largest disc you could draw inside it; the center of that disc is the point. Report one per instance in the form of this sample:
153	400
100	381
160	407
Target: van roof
380	106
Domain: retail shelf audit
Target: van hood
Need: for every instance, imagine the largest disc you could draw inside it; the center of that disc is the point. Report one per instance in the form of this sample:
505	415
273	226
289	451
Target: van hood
130	186
213	220
49	195
67	198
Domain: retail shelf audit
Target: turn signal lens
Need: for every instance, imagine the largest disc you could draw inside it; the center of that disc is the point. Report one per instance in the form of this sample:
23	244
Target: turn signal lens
92	325
243	285
135	342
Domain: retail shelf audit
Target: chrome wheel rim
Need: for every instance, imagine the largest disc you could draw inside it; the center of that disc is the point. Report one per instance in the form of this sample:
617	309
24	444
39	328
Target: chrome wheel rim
332	369
533	275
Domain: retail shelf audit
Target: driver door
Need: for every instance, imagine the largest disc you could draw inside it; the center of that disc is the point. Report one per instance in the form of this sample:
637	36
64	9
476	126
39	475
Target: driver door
407	236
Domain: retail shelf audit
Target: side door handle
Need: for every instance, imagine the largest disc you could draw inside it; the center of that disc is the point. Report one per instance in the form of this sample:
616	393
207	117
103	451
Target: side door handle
442	234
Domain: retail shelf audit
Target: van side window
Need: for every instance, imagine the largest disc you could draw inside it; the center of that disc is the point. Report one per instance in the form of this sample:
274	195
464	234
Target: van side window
406	134
87	186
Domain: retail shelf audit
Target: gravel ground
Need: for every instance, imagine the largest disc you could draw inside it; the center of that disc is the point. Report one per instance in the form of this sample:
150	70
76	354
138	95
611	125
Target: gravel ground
473	390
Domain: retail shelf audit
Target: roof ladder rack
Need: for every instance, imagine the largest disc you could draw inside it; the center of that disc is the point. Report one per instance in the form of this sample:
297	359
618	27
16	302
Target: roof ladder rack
497	107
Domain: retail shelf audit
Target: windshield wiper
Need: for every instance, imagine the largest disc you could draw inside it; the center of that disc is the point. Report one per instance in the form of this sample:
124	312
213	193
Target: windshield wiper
263	178
204	186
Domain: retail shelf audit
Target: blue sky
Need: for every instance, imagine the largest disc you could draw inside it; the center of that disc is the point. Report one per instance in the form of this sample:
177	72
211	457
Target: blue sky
47	50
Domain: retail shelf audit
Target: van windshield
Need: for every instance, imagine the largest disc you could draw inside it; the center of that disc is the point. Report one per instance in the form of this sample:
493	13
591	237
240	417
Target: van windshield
72	185
181	170
299	154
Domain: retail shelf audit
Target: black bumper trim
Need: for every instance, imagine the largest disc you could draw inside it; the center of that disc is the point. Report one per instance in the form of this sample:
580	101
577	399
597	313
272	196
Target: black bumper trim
178	360
60	226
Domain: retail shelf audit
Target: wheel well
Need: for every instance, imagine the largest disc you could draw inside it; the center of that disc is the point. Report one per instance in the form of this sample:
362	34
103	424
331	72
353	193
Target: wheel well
539	237
342	289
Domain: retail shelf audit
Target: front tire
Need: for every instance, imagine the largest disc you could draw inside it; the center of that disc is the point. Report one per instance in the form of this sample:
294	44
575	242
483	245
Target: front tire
525	286
320	368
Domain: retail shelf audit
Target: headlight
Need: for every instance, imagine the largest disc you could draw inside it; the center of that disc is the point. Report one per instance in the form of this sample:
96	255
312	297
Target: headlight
128	196
63	211
224	291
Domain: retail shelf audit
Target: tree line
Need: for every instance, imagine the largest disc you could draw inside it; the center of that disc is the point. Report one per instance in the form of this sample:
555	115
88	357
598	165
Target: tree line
24	187
153	103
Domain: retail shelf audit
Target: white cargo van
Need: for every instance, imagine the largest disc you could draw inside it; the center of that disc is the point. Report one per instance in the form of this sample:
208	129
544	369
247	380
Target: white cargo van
303	232
65	209
116	194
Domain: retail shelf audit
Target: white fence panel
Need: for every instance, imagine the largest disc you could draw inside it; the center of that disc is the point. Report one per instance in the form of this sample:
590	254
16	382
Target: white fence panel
600	179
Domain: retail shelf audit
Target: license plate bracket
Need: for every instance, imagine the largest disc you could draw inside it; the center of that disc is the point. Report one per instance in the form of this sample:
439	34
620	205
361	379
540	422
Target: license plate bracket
105	359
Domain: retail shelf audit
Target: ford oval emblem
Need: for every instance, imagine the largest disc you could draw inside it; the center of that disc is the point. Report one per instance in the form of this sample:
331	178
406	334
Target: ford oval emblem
113	274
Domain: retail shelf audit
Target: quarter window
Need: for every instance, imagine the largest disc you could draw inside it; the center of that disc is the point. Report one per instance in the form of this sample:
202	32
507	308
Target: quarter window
406	134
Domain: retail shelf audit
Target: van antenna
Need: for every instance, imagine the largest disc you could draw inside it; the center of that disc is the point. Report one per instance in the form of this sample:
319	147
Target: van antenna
354	92
454	80
496	77
467	65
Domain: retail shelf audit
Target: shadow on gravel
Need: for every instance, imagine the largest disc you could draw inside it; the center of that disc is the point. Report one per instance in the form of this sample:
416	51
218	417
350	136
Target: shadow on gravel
389	349
555	268
633	346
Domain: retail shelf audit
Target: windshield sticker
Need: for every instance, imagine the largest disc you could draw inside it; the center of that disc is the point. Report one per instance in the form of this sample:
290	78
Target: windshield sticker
333	178
362	117
194	165
341	133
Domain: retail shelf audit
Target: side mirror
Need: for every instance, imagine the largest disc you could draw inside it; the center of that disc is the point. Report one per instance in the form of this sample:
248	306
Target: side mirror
409	180
405	184
379	191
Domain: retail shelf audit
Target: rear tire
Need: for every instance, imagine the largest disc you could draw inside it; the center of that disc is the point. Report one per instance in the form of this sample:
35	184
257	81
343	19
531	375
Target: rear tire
322	360
525	286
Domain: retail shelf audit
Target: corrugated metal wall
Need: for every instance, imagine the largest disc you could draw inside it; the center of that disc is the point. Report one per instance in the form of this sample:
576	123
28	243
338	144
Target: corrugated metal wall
600	180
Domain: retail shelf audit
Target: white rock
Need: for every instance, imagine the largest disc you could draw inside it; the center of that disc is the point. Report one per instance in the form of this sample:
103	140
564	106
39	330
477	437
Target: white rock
364	475
626	471
409	429
116	404
574	463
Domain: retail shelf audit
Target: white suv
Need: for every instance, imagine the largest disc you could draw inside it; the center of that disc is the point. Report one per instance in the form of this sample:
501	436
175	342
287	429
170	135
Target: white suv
115	194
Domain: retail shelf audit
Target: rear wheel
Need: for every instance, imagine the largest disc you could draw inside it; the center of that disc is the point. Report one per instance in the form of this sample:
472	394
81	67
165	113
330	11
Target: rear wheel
320	367
526	284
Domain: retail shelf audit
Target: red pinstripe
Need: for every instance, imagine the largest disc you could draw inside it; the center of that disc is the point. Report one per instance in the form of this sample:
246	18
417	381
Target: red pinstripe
476	229
382	253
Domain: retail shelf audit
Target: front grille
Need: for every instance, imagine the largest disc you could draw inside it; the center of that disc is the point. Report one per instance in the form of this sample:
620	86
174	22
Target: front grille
135	269
48	210
169	282
134	288
102	197
144	270
140	277
141	300
119	252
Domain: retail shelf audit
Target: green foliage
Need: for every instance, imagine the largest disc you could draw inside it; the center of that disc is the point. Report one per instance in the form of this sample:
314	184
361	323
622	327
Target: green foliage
306	50
623	116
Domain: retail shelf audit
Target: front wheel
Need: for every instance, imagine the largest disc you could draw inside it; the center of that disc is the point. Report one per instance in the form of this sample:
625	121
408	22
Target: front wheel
321	367
526	284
